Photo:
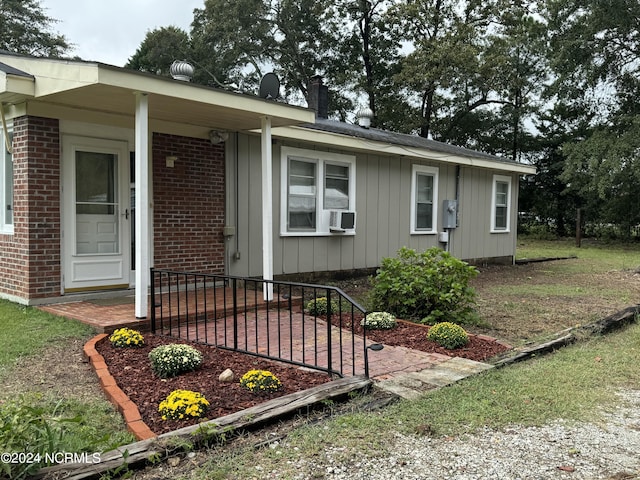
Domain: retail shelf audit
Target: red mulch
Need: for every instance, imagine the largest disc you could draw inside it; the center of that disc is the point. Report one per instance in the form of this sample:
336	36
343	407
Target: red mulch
132	371
414	336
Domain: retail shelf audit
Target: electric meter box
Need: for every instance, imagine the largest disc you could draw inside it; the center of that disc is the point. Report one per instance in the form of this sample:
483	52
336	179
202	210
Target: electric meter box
449	214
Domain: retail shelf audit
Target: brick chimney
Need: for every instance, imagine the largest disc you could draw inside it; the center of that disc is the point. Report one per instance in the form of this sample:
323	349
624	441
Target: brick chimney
318	97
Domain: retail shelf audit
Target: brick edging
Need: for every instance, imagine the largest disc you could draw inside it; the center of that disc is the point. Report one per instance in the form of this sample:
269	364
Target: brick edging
114	394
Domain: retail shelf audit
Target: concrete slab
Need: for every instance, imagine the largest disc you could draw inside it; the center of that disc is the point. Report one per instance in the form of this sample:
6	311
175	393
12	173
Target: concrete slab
413	384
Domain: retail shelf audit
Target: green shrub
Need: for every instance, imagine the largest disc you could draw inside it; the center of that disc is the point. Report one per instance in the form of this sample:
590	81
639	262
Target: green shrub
448	335
173	359
432	286
378	321
181	404
318	306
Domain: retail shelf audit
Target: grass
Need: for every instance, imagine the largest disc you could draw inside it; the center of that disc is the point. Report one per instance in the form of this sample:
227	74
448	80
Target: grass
600	255
51	419
575	384
26	330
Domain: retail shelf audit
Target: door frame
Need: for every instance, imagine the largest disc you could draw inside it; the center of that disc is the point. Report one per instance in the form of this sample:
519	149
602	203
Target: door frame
116	267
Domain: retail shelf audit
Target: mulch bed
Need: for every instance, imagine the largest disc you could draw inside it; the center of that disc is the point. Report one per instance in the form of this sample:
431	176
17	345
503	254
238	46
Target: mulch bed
414	336
132	371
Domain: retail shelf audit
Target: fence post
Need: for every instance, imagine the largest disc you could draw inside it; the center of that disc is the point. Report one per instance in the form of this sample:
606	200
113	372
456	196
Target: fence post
579	228
153	301
235	313
329	340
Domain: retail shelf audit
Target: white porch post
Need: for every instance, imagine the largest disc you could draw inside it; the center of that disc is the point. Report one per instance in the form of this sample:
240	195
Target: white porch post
267	208
142	203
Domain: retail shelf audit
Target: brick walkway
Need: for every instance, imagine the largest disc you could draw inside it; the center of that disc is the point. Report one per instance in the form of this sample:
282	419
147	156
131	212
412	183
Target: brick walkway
303	338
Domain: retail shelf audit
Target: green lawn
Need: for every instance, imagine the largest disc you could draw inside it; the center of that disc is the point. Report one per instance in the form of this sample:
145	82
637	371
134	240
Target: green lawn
41	420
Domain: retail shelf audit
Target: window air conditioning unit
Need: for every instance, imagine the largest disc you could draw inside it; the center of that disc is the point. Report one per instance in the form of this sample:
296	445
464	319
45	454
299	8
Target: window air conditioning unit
341	220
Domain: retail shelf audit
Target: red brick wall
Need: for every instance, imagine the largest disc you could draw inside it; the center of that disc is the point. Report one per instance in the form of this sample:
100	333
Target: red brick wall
188	202
30	258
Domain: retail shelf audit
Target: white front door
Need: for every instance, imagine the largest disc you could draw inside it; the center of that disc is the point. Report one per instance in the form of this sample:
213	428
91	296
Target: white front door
96	212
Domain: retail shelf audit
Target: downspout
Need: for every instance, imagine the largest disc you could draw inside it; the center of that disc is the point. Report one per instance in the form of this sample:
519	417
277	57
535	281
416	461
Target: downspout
457	198
5	129
236	254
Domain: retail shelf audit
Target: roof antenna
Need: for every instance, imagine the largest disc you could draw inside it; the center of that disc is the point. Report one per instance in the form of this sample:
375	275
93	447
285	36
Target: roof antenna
269	87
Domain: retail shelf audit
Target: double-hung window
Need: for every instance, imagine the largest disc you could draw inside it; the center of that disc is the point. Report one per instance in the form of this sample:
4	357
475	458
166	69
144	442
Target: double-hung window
424	199
313	184
501	204
6	182
302	194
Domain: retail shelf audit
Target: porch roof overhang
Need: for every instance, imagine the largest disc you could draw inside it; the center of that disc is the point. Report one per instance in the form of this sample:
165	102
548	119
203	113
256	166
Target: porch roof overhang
354	138
48	85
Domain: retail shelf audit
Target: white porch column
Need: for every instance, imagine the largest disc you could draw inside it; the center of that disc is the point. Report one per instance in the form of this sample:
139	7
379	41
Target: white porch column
142	203
267	209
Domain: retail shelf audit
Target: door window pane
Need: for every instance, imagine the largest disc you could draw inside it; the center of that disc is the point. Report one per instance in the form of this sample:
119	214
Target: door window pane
97	226
95	183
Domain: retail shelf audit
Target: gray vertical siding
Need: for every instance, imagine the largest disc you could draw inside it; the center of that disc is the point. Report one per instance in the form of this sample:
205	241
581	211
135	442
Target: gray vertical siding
383	196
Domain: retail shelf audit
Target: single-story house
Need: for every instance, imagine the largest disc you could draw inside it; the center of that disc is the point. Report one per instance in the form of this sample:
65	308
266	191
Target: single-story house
106	172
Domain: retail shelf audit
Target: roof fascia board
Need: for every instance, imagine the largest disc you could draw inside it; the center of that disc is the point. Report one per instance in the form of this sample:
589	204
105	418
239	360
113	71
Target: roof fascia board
135	81
14	87
56	76
361	144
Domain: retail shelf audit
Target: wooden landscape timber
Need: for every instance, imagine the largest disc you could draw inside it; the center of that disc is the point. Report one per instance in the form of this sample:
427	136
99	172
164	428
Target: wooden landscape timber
573	334
162	446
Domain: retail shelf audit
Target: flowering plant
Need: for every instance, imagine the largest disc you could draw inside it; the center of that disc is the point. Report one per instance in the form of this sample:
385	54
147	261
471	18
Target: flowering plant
378	321
173	359
260	381
183	403
126	337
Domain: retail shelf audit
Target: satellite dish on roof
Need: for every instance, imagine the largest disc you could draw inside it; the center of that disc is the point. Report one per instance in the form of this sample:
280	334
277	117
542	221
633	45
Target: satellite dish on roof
269	87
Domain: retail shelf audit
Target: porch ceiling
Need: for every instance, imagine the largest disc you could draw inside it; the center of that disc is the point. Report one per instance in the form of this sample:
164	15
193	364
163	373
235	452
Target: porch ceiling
226	114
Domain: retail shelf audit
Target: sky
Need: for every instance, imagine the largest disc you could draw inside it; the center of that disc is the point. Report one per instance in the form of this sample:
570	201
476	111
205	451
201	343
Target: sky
111	31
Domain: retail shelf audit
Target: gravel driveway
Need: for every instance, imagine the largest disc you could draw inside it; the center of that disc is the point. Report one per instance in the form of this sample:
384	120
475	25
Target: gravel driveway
606	449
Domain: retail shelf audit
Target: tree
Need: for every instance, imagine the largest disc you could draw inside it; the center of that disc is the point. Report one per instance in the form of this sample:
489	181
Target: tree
367	60
605	168
159	49
26	29
231	40
595	54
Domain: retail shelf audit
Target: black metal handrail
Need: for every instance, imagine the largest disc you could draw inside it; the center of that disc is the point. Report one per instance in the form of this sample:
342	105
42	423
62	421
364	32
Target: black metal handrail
294	326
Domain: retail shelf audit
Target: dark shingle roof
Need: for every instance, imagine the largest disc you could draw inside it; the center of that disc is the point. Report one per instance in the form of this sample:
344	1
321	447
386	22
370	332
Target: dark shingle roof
13	71
401	139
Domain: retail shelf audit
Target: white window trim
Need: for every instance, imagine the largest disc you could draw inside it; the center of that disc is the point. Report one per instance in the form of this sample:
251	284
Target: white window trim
433	171
322	215
5	228
500	179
